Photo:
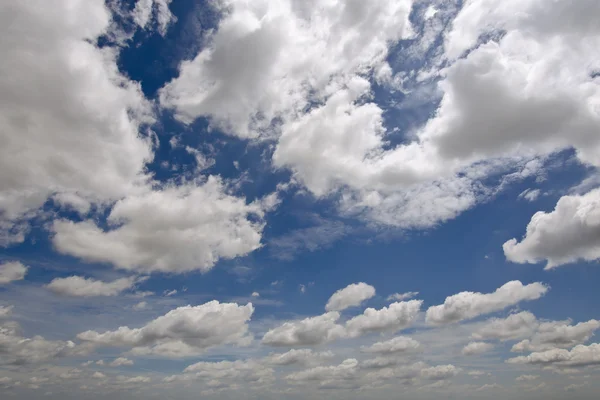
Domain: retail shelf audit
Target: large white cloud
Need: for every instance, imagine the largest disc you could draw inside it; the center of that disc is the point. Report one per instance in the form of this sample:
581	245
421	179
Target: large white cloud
558	334
476	348
515	326
307	332
468	305
176	229
18	350
182	332
70	121
568	234
88	287
579	356
393	318
351	296
269	59
12	271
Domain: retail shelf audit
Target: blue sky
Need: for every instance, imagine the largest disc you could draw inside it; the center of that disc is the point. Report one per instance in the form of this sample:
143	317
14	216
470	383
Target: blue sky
299	199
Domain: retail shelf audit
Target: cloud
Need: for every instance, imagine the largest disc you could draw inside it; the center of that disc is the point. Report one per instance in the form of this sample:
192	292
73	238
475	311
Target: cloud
12	271
144	9
242	370
440	372
527	378
558	334
402	296
298	356
72	124
255	294
307	332
566	235
469	305
87	287
579	356
476	348
393	318
530	194
182	332
120	362
140	306
6	311
344	371
515	326
351	296
166	230
398	344
18	350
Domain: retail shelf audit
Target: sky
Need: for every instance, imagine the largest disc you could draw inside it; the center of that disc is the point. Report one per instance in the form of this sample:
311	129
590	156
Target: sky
299	199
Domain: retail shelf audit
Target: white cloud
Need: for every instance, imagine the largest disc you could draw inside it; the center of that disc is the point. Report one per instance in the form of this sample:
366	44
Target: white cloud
515	326
298	356
244	370
18	350
558	334
71	122
144	9
167	231
307	332
468	305
182	332
402	296
134	379
346	370
398	344
140	306
169	293
268	60
393	318
530	194
566	235
120	362
98	375
351	296
6	311
579	356
527	378
87	287
12	271
255	294
476	348
440	372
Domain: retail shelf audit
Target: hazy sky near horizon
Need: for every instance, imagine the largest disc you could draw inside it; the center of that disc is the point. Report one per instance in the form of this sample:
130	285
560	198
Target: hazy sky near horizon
303	199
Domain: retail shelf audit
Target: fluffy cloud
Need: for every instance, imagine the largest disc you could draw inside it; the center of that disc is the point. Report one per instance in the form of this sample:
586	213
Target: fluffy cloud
440	372
351	296
244	370
346	370
402	296
307	332
398	344
298	356
476	348
12	271
395	317
18	350
167	231
515	326
579	356
568	234
184	331
5	311
558	334
269	60
325	328
88	287
71	122
468	305
144	9
121	361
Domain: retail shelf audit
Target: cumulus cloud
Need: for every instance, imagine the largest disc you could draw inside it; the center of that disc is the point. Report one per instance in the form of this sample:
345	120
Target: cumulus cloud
167	231
398	344
307	332
393	318
182	332
298	356
351	296
145	9
515	326
71	122
12	271
346	370
558	334
5	311
579	356
402	296
18	350
228	371
469	305
120	362
88	287
440	372
569	233
476	348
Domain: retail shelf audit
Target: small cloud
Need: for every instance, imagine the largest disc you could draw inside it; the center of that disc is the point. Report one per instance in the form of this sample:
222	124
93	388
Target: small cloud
302	288
140	306
402	296
169	293
255	294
